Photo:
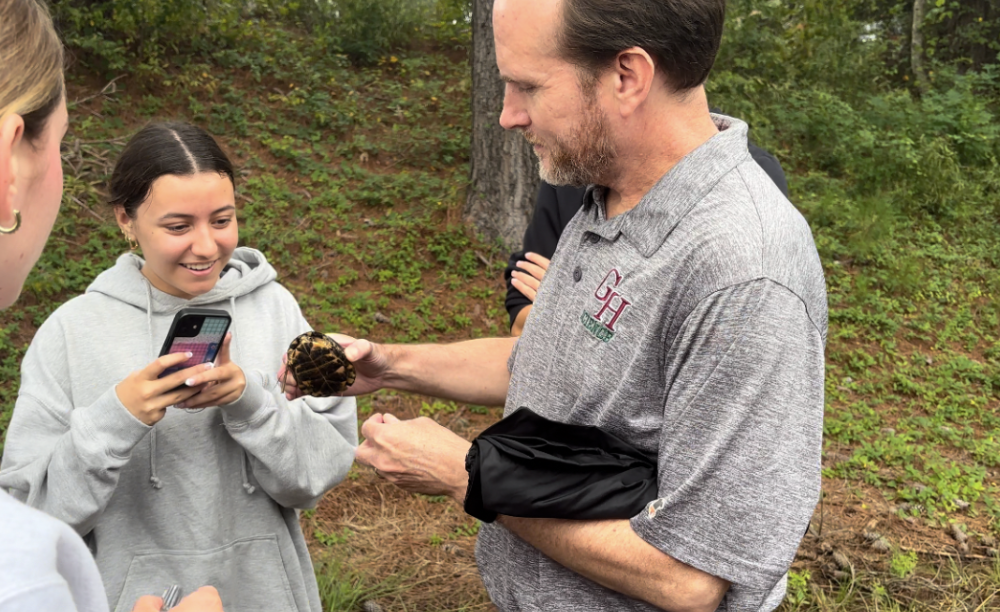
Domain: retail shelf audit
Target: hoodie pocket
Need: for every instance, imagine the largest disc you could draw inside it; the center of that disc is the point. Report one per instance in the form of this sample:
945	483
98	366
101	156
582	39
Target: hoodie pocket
248	573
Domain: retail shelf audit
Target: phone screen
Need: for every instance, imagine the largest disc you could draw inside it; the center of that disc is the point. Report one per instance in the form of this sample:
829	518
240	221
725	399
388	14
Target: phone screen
203	346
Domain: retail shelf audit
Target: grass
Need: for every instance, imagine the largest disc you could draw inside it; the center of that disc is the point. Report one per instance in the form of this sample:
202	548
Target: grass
352	181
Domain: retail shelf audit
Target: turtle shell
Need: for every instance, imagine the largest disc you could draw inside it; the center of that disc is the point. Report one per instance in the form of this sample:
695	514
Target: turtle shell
319	365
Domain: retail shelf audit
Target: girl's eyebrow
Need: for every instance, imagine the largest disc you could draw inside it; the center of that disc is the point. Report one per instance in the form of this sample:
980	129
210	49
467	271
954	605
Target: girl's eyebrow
185	216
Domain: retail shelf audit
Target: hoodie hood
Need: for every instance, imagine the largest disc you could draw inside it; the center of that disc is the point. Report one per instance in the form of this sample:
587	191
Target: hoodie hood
246	271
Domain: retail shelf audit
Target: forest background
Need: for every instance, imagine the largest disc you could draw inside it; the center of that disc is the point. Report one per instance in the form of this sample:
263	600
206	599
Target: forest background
350	122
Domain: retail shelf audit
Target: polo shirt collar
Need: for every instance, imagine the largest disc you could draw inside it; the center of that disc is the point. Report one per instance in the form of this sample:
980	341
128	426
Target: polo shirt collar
648	224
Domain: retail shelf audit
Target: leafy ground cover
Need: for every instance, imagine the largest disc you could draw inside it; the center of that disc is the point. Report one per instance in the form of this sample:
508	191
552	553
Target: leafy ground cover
352	179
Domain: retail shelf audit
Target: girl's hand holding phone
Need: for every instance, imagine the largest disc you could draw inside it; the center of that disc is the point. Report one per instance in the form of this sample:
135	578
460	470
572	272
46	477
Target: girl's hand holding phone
147	396
222	384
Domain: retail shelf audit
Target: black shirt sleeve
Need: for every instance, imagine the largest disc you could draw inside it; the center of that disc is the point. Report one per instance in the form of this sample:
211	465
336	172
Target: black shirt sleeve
554	207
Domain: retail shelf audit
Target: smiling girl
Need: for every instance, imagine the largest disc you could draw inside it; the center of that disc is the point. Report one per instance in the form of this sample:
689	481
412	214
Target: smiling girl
163	494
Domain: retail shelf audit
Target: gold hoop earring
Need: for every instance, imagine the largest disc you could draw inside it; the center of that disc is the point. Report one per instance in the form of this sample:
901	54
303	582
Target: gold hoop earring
132	243
17	224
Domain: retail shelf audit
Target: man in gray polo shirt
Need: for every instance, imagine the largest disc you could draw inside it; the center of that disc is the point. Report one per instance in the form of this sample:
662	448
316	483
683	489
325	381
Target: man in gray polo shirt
684	310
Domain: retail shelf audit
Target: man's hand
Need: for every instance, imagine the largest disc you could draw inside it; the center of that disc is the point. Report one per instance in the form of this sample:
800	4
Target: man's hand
370	363
529	277
419	455
205	599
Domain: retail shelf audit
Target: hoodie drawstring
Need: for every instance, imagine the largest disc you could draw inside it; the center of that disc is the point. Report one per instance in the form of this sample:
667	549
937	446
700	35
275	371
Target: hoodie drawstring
245	459
153	479
152	461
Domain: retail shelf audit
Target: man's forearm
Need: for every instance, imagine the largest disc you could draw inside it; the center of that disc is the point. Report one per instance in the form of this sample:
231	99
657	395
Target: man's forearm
474	371
612	555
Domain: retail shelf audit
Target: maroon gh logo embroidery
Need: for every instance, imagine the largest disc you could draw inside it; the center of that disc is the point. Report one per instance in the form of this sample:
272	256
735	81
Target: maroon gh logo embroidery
611	302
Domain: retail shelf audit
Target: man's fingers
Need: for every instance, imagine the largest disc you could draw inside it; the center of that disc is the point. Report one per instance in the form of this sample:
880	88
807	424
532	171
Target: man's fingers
389	418
369	426
358	350
342	339
365	453
148	603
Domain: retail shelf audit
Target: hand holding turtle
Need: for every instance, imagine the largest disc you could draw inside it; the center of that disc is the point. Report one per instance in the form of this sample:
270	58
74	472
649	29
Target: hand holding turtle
346	366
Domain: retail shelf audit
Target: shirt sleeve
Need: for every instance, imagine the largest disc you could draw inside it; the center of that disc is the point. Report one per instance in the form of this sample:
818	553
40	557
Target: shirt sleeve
739	457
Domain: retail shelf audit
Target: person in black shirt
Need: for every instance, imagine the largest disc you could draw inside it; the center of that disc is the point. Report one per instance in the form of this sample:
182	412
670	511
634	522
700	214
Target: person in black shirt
554	207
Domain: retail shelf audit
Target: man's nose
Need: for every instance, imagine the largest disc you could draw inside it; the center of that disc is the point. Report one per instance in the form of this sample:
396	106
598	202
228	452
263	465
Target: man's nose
514	115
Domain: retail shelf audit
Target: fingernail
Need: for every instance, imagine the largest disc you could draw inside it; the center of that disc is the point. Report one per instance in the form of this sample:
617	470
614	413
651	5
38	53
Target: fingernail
209	365
189	382
180	405
189	354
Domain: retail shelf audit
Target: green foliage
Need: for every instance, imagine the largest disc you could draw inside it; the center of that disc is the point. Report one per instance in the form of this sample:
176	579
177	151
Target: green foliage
142	36
366	31
344	588
797	592
903	564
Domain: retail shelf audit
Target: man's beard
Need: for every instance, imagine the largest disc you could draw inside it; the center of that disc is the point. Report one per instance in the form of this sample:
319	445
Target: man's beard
586	158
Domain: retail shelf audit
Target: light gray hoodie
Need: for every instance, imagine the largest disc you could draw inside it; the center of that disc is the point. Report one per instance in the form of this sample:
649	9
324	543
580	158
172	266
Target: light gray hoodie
201	497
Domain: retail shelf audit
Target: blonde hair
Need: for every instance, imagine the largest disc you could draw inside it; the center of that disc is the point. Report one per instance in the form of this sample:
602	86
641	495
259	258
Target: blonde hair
31	81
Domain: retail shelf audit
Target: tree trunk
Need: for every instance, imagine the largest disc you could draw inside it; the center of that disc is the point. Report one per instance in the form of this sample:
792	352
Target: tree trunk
917	45
504	172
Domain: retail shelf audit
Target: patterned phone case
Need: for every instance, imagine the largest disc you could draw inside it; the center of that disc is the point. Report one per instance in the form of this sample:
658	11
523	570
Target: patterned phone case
204	347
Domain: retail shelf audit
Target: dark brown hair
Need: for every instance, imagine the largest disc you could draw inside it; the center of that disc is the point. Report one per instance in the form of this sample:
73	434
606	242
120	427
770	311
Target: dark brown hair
682	36
178	149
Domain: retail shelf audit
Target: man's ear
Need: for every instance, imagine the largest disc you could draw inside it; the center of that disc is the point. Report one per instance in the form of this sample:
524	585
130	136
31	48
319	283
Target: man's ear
11	133
634	74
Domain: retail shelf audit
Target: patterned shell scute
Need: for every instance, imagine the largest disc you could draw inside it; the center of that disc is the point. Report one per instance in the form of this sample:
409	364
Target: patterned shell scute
319	365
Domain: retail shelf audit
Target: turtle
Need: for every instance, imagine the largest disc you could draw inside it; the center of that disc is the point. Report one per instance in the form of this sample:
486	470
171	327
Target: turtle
319	365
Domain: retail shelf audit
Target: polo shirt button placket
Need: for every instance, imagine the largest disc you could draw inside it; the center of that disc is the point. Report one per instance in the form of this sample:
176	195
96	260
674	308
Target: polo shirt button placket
577	274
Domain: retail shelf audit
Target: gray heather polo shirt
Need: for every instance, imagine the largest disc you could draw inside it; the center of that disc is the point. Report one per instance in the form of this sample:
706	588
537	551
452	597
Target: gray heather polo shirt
692	326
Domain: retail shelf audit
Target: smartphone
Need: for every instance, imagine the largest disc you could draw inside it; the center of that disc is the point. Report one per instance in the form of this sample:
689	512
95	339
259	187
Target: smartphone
199	331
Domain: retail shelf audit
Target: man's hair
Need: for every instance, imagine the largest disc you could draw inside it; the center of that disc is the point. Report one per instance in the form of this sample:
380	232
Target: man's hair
682	36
